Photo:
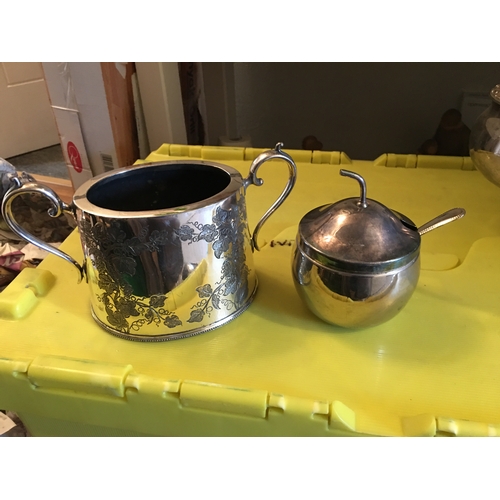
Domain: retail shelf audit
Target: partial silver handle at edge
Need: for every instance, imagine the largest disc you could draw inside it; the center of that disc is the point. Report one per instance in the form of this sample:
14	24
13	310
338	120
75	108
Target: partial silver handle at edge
252	178
58	207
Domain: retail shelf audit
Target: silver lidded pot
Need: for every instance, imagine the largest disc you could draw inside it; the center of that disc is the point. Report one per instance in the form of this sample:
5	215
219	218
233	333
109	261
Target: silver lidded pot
356	263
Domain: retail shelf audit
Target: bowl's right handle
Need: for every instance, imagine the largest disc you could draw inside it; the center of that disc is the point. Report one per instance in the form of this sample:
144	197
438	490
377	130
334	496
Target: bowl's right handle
58	207
252	178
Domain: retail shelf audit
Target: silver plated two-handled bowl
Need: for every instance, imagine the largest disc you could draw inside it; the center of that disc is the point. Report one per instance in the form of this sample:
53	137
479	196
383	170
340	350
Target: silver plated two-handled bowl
167	247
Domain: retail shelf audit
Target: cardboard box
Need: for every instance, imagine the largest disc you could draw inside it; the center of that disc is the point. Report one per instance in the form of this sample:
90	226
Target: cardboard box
94	110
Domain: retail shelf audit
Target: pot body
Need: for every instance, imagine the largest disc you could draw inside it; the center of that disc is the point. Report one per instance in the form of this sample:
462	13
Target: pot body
350	299
156	271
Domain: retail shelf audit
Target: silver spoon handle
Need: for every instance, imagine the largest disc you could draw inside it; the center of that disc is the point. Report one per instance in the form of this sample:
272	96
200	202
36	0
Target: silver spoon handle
441	220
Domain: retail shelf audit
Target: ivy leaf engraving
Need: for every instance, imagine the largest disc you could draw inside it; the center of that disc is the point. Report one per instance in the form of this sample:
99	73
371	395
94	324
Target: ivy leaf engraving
143	233
216	301
221	216
98	260
149	315
126	307
125	265
157	301
196	316
185	233
99	233
115	234
107	284
127	289
204	291
241	293
136	246
158	239
220	246
208	233
230	285
227	269
172	321
226	231
117	319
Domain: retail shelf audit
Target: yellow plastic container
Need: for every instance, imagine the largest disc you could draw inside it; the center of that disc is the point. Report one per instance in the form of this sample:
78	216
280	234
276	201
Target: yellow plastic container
277	369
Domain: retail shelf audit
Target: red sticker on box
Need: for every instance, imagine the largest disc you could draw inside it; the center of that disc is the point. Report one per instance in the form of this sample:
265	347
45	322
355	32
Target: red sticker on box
74	157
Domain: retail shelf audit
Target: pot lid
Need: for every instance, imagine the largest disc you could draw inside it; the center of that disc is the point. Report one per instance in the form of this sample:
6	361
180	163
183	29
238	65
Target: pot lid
358	235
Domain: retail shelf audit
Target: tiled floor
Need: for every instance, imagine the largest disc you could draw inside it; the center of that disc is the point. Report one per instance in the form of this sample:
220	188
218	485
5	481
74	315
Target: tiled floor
48	161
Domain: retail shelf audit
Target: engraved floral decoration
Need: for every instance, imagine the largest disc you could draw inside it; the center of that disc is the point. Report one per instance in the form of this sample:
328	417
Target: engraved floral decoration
114	256
227	235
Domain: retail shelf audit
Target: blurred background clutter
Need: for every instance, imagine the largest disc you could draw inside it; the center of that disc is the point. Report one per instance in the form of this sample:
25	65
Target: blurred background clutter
362	109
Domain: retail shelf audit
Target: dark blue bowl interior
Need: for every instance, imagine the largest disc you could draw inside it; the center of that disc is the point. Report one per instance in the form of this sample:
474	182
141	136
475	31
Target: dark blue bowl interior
158	187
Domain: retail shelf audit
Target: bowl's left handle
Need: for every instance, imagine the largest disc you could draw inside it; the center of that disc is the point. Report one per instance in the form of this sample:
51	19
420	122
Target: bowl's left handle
58	207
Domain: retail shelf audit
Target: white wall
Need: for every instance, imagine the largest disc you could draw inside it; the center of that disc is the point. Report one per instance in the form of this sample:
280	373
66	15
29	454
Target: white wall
363	109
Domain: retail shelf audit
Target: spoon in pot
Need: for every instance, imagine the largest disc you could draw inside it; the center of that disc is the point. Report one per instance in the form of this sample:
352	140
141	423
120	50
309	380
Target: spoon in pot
440	220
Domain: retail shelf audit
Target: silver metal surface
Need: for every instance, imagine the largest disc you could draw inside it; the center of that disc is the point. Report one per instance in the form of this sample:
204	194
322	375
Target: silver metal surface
441	220
252	178
362	186
58	208
484	142
357	235
177	336
353	300
356	263
406	221
167	248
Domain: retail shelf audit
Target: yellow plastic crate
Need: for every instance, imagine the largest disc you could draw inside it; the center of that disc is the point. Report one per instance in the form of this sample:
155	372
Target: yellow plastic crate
277	369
